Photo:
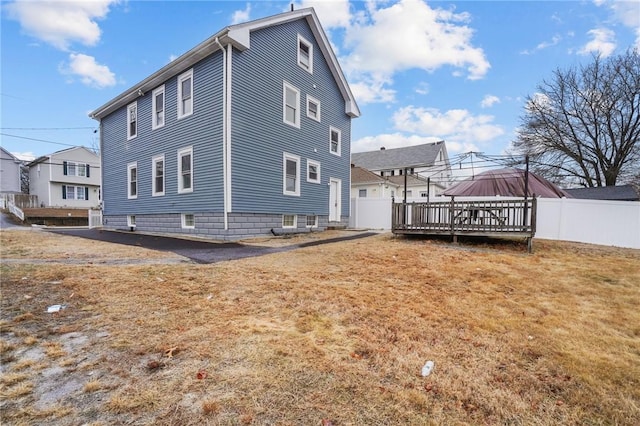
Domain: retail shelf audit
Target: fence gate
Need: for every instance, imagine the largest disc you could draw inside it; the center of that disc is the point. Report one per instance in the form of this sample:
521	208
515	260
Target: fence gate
95	218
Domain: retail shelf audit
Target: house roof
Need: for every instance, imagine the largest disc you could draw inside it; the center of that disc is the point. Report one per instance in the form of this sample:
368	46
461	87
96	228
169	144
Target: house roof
424	155
360	176
618	193
413	180
239	36
43	158
10	155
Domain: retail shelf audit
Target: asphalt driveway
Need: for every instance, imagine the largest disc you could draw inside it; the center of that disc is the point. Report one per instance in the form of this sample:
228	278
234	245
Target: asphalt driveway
198	251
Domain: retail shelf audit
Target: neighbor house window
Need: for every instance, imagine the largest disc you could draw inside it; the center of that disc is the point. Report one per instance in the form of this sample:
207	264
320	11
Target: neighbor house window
185	170
157	170
188	220
185	94
291	105
132	120
312	221
313	171
289	221
362	193
158	108
305	54
291	174
334	140
424	194
70	192
70	168
313	108
132	180
131	221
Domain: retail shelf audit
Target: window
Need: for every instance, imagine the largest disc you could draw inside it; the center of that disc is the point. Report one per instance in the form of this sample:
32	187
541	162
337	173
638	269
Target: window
334	140
131	221
305	54
290	174
158	175
409	193
424	194
158	108
362	193
291	105
188	220
289	221
313	108
312	221
185	94
132	120
185	170
70	168
132	180
313	171
75	192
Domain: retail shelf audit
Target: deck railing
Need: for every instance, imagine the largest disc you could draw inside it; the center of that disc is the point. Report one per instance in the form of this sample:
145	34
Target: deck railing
465	217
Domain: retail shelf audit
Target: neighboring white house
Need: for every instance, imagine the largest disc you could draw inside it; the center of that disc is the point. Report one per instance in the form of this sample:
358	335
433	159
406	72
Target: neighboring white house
9	173
69	178
427	160
366	184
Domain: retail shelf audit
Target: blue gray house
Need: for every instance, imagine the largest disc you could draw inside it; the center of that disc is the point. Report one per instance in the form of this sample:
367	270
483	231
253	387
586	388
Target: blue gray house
246	134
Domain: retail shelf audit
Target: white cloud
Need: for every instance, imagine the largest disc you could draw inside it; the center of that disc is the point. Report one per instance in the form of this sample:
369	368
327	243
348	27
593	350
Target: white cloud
489	101
61	23
331	13
90	72
172	57
372	90
545	44
422	89
24	156
603	42
409	34
457	126
240	16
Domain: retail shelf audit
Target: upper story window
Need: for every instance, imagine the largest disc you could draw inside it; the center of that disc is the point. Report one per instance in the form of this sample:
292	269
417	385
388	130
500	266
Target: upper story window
70	168
132	120
185	170
313	108
132	180
291	105
313	171
185	94
158	108
157	169
290	174
305	54
334	140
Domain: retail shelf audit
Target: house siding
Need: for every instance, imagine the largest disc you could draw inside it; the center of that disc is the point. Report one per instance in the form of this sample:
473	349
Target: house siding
9	172
202	130
260	137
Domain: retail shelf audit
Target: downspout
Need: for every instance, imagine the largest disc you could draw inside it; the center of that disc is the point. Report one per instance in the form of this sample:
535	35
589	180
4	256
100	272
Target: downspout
224	134
227	191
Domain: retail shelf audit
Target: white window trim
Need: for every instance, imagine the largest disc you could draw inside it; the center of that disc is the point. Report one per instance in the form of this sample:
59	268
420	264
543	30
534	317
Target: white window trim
184	76
285	157
181	153
314	163
338	153
154	160
315	225
183	220
317	102
156	92
305	41
131	221
129	107
286	86
295	221
129	167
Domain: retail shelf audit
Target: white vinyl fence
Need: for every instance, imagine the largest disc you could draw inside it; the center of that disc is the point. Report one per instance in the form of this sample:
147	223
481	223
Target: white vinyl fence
611	223
95	218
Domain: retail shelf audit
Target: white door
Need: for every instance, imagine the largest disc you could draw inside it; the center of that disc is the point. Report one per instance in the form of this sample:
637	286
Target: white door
334	199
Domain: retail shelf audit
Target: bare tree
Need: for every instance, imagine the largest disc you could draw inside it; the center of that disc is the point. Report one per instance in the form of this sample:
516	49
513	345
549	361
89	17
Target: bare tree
24	179
582	127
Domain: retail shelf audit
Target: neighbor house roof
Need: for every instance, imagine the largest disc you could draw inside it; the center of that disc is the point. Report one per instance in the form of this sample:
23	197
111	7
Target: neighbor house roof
617	193
43	158
424	155
239	36
412	181
360	176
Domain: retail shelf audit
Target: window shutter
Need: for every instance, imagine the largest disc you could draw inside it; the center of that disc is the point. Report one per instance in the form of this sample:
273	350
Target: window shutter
64	168
88	171
86	193
64	187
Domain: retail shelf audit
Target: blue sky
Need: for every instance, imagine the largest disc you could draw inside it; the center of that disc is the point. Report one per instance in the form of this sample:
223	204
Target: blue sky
420	71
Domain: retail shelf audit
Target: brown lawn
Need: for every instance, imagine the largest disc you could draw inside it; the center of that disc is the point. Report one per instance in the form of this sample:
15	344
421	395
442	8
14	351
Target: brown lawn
334	334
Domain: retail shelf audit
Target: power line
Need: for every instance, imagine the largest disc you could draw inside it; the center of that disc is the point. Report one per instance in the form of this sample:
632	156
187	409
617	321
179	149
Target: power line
36	140
49	128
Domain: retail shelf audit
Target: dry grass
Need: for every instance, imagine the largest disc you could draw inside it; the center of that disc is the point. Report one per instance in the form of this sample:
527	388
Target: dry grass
339	332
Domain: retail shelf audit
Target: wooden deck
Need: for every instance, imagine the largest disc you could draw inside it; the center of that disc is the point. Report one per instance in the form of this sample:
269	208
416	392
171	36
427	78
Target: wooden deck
514	218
